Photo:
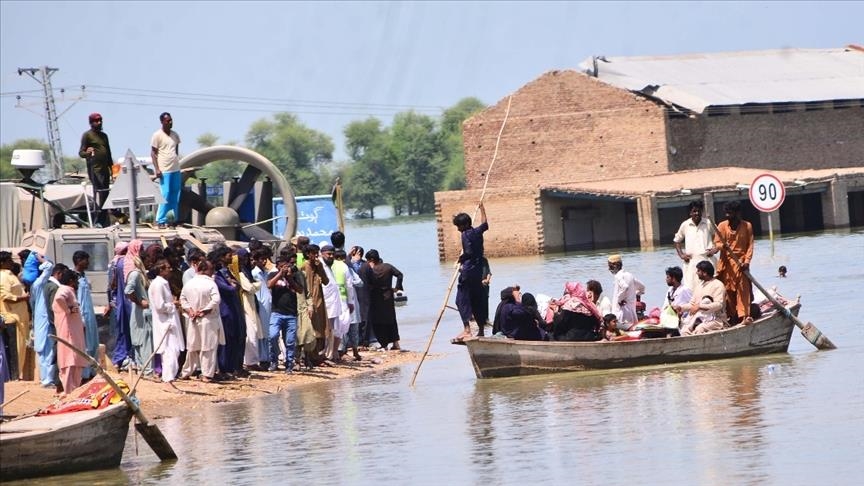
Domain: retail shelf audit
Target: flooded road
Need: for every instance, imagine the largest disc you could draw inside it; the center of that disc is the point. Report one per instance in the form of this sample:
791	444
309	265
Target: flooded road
782	419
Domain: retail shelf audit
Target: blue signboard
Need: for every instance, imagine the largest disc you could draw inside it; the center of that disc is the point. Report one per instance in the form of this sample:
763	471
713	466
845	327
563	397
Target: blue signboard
317	217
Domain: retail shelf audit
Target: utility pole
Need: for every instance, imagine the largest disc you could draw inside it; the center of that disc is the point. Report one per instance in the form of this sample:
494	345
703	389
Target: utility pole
42	75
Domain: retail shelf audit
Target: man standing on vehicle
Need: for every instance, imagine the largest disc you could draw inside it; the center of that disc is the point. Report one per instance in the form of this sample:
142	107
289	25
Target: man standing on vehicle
96	150
165	153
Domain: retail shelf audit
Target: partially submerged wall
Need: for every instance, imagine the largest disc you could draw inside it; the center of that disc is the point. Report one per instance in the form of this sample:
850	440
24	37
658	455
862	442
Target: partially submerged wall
513	216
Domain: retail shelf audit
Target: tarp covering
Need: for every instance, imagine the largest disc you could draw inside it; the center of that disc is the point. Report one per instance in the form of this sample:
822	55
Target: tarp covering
20	213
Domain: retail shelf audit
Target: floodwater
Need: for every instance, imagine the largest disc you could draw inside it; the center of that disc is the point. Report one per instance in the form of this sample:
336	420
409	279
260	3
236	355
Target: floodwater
782	419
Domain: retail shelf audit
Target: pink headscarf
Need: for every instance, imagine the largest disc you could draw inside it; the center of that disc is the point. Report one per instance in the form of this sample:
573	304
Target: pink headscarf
119	251
132	260
574	296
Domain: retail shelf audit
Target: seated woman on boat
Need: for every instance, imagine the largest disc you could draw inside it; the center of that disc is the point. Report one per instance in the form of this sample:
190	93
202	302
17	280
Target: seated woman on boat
518	320
574	316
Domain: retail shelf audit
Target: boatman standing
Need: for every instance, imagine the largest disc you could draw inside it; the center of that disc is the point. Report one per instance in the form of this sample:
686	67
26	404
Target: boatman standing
471	297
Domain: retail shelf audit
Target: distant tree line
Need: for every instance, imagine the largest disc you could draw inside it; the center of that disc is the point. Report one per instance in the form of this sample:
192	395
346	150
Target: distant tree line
400	165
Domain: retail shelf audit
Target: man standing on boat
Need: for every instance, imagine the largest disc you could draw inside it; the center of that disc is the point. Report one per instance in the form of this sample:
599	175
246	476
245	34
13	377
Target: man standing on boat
697	234
624	290
737	235
471	296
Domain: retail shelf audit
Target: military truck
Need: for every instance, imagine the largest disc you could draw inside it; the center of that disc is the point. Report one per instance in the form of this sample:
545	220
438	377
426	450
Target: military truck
58	245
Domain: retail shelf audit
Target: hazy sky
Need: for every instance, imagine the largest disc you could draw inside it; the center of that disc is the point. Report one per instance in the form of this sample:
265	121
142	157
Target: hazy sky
219	66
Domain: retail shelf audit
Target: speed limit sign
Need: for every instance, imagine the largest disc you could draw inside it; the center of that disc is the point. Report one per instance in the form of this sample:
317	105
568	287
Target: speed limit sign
767	193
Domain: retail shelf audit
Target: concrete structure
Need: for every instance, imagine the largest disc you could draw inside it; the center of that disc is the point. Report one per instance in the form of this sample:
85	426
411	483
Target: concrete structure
595	160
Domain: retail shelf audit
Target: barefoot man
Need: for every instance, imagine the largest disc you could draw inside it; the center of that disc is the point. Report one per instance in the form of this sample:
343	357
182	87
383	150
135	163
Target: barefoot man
471	298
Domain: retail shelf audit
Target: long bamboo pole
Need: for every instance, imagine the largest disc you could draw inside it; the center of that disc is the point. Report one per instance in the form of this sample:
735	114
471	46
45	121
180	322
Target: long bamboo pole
456	272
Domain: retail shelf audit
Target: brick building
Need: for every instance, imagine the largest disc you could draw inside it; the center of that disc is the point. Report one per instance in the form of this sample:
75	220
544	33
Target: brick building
610	155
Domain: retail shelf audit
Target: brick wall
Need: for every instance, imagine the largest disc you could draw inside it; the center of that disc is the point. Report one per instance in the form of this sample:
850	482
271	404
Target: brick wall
793	140
513	215
565	127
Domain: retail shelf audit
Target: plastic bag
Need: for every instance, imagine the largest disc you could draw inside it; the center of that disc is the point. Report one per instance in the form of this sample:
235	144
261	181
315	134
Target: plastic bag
669	318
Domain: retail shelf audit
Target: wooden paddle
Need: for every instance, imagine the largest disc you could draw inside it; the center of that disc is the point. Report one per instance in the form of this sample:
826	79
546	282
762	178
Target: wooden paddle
150	432
810	332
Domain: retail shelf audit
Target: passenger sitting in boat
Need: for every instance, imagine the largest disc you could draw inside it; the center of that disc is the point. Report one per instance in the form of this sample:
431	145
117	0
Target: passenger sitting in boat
518	321
574	316
530	304
703	314
610	327
506	296
714	318
595	293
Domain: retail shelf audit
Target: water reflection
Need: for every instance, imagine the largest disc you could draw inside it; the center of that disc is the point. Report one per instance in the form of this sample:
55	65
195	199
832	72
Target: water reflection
703	422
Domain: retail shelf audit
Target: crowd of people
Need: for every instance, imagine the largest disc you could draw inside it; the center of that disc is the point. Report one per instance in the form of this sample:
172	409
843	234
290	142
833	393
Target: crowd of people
178	314
707	294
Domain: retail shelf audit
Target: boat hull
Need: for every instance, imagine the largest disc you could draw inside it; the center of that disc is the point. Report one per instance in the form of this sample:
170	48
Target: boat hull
496	358
63	443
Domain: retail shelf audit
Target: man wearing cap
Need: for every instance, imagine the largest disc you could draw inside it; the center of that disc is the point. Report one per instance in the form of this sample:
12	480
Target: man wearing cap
624	290
97	152
165	153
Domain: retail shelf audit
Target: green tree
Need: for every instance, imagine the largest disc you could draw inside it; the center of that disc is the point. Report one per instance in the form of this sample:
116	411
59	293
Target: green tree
451	126
418	147
298	151
369	176
220	170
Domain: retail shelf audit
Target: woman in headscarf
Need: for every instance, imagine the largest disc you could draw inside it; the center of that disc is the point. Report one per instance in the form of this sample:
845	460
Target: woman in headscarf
575	317
140	326
230	311
69	326
382	313
122	355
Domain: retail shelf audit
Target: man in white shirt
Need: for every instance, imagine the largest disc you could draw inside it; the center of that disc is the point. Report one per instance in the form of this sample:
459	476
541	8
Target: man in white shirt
200	300
167	334
624	290
165	152
697	234
677	295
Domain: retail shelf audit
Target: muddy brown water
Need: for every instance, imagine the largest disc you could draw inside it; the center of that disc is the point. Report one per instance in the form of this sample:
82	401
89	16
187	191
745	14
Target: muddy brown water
790	418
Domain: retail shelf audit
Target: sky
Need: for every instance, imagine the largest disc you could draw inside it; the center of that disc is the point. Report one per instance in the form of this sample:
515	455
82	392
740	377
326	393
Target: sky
217	67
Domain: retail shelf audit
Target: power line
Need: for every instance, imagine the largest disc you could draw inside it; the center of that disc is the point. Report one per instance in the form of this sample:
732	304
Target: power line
253	99
236	109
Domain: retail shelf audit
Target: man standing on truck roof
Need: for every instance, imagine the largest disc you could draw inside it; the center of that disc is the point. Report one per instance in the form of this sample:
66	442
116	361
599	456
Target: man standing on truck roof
97	151
165	152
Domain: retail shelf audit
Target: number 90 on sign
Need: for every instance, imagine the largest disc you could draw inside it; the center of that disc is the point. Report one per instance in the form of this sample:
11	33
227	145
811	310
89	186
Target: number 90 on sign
767	193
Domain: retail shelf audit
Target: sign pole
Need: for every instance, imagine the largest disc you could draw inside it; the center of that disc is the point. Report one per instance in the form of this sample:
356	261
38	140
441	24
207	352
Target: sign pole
771	233
767	194
133	194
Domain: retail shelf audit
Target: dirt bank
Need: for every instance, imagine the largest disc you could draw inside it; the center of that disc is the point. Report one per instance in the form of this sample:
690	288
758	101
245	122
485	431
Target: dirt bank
159	400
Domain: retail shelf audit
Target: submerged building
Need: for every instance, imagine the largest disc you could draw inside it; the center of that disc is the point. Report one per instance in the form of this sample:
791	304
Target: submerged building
610	155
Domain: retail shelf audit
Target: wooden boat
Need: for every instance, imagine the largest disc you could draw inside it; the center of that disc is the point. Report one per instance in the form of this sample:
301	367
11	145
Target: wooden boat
496	357
63	443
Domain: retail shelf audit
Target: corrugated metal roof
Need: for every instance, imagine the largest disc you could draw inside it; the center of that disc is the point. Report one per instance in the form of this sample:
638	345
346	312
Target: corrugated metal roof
697	81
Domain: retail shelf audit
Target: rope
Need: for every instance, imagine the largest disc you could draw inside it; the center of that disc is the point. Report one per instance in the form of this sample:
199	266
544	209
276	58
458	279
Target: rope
456	272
